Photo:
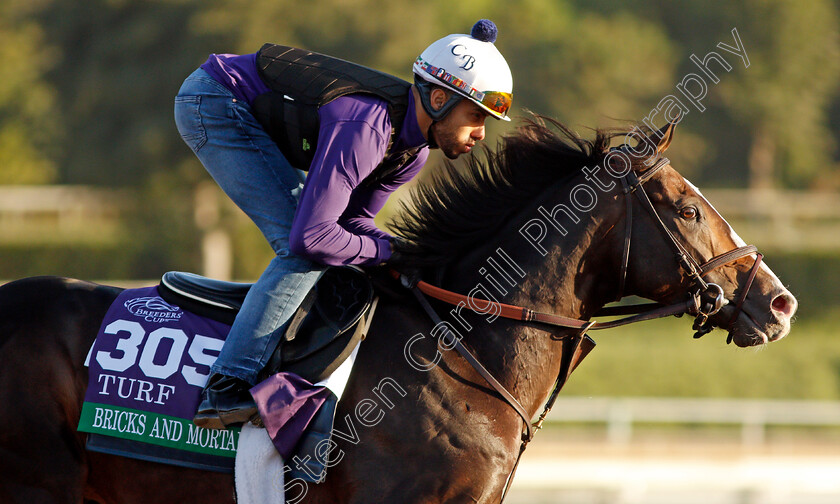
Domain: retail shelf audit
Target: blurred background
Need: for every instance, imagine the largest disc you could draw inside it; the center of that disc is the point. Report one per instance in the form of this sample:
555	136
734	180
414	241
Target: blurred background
96	183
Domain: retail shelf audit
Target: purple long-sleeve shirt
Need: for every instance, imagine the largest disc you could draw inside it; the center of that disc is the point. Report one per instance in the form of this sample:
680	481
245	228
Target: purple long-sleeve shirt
333	223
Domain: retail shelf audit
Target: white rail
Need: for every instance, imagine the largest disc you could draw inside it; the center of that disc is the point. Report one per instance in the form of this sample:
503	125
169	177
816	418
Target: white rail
60	214
753	416
789	221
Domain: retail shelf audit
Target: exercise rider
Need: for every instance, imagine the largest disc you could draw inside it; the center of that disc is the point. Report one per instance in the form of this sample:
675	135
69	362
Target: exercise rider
255	120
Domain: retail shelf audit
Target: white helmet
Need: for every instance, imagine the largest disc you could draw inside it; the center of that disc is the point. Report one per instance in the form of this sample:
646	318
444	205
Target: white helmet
470	65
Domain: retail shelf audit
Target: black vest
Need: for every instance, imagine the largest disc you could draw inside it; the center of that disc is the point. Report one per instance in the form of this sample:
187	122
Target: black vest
301	81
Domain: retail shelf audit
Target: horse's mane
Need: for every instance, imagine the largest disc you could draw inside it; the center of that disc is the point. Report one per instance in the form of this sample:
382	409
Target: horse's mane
460	207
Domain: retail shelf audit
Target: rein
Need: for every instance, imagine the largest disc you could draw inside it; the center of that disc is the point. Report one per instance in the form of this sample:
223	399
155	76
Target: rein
705	299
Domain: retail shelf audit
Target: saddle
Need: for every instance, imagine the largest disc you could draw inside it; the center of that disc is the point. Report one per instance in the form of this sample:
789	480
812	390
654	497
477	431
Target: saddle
332	319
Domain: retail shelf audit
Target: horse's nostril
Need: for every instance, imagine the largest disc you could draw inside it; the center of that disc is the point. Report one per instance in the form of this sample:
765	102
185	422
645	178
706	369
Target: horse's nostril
785	304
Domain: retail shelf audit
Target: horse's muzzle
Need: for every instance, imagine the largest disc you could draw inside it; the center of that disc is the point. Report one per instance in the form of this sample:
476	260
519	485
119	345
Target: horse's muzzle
765	319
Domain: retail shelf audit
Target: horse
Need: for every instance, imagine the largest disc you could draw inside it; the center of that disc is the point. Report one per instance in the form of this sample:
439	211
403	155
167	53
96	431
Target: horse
549	221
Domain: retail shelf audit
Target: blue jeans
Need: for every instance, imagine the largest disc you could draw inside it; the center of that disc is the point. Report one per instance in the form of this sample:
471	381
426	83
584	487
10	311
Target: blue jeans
248	166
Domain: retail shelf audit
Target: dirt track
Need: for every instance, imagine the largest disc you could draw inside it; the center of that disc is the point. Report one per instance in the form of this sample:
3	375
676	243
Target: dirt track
680	468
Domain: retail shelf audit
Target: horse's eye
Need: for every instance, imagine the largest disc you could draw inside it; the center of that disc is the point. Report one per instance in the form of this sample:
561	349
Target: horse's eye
688	213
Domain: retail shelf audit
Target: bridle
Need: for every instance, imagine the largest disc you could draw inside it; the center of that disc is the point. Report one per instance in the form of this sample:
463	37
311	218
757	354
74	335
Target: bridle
705	299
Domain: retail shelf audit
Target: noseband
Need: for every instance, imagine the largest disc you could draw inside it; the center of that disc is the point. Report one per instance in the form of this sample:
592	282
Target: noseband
705	298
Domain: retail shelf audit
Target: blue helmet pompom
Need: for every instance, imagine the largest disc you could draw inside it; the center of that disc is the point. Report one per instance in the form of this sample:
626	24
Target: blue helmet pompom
485	31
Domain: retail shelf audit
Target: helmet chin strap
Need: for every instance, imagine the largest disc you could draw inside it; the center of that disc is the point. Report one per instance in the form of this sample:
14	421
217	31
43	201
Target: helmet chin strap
424	89
430	138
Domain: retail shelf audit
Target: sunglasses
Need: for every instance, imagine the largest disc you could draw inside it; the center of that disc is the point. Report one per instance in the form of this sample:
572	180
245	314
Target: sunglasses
497	101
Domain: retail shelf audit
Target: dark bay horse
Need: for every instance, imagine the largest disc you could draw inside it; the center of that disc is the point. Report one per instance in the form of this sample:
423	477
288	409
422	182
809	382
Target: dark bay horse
545	222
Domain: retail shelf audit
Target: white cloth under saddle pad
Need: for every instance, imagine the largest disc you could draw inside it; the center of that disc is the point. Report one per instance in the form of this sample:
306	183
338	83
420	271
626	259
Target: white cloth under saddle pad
259	468
259	474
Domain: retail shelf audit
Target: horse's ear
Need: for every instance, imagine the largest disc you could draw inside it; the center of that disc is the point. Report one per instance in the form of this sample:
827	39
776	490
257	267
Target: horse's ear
662	137
652	144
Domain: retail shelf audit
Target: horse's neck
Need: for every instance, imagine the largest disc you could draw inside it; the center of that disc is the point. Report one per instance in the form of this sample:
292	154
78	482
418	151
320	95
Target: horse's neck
576	277
571	272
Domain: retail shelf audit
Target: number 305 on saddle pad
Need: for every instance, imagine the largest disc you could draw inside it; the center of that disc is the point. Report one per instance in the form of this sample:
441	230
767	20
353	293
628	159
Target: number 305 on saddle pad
147	367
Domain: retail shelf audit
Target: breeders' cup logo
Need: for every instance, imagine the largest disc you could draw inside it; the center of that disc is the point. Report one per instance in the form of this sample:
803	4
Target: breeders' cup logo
153	309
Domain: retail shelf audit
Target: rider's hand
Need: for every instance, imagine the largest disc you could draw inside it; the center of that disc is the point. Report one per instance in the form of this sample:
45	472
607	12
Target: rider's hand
409	275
